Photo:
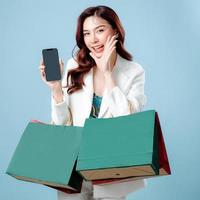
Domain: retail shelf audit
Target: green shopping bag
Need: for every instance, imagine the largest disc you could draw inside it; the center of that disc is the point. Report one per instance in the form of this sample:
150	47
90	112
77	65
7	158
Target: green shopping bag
47	154
120	147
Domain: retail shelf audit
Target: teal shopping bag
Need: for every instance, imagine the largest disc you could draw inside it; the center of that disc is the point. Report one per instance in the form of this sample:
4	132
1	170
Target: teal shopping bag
47	154
120	147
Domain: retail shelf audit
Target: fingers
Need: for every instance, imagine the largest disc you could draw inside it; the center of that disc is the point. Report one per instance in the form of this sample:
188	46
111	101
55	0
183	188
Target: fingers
41	61
61	62
61	65
41	66
43	75
113	44
111	51
42	70
111	41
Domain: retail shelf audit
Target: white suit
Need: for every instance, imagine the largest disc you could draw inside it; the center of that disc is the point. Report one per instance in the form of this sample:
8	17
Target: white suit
125	98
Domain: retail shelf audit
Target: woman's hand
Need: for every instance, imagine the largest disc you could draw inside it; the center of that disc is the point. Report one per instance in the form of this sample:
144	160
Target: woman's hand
55	86
103	63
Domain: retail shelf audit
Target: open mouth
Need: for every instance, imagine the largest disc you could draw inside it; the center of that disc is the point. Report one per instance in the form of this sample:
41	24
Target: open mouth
98	49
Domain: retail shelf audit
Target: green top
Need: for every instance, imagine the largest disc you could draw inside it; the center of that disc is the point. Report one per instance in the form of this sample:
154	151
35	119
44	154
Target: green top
96	104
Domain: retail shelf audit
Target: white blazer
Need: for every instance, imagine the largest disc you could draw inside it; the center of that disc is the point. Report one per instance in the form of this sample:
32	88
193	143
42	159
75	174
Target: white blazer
125	98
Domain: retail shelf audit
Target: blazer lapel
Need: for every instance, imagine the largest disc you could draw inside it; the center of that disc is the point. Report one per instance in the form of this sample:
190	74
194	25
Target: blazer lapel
88	80
120	79
88	91
104	104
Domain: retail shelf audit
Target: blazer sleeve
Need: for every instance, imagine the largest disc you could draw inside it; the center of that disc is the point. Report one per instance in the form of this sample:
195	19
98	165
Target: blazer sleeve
133	101
60	112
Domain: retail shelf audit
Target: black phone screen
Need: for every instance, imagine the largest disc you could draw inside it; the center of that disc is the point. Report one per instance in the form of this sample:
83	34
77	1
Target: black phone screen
51	62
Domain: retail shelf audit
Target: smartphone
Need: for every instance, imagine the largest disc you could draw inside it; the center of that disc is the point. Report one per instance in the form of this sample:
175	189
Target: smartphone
51	63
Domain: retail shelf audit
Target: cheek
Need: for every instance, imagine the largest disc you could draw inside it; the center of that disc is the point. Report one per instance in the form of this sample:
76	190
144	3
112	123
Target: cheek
86	43
104	37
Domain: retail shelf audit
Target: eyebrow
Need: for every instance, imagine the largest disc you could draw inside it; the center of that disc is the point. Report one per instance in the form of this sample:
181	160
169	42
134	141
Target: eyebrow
96	27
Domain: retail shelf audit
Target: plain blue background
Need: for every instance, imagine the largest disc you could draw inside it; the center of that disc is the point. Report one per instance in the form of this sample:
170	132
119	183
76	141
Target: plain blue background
163	36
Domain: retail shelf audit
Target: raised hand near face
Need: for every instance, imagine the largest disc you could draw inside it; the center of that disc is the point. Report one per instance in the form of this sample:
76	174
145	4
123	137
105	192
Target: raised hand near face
103	63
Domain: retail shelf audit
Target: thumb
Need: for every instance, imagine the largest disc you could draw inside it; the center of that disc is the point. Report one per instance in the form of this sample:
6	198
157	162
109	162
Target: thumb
41	61
61	65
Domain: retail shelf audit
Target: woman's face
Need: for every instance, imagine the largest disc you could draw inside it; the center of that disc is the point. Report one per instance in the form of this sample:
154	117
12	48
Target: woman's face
95	32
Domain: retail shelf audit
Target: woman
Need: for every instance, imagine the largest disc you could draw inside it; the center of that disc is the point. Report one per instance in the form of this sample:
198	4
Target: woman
101	81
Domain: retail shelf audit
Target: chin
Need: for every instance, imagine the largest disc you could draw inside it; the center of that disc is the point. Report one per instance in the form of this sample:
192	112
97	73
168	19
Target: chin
98	55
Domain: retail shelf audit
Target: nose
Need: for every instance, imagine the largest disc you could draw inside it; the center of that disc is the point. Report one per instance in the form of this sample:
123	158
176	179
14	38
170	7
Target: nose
94	38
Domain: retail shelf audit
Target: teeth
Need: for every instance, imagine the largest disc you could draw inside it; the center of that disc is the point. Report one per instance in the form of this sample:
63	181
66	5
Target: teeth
98	48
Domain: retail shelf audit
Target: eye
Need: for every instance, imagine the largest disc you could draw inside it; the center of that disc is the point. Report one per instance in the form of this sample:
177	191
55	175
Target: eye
85	34
100	30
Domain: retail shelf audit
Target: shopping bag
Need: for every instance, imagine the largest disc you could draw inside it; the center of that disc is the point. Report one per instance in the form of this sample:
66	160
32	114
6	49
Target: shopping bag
121	147
164	166
47	154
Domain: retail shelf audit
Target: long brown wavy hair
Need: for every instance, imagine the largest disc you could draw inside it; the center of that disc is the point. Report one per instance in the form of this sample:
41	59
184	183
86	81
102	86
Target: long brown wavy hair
85	61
